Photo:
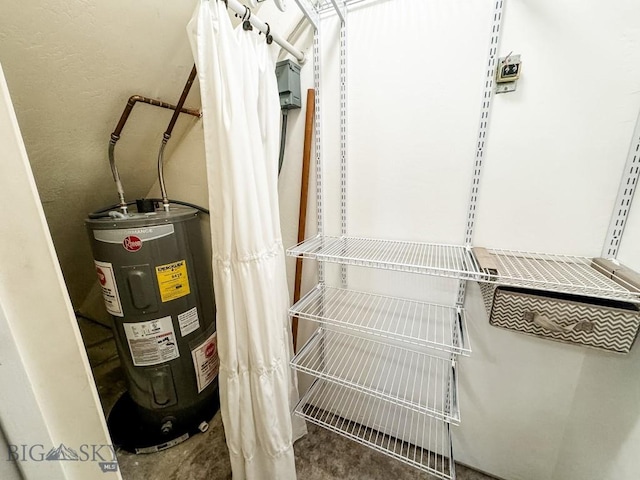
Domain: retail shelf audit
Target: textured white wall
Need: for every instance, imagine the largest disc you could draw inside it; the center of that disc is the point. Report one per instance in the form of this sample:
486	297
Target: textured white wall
37	323
71	65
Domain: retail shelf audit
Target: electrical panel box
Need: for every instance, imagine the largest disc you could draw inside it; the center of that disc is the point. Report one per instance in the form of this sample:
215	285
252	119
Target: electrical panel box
288	75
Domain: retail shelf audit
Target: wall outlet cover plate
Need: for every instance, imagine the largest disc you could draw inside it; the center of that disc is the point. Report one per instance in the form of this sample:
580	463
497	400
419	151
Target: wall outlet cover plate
508	73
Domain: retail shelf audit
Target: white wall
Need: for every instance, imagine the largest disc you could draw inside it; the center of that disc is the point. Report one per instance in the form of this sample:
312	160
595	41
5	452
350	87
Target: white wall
71	66
37	322
531	409
555	156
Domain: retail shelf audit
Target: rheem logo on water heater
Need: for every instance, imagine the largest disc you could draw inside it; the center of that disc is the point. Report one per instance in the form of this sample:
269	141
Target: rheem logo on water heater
132	243
102	278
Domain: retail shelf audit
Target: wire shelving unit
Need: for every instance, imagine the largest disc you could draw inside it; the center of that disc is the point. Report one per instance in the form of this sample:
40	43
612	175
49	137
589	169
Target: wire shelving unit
375	392
413	257
557	273
374	381
425	442
411	322
413	380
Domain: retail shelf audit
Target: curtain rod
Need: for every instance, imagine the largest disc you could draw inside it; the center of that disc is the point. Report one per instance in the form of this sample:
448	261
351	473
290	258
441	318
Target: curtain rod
241	9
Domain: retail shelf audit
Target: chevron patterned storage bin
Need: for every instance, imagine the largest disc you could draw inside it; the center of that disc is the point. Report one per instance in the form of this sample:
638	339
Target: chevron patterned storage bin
592	322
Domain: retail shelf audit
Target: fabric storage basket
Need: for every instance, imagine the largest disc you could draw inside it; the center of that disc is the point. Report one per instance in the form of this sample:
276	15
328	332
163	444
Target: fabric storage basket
592	322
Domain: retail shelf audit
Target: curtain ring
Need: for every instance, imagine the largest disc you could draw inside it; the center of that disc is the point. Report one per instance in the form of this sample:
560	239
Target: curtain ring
268	34
246	24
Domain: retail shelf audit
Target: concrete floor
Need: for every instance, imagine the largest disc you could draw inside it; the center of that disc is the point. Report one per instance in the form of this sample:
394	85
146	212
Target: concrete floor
321	455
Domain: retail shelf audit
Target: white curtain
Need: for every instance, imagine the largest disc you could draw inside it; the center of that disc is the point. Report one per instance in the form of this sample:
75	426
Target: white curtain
241	122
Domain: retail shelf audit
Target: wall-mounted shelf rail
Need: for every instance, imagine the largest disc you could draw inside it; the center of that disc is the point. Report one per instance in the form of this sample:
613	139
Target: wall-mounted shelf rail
412	322
413	257
364	419
416	381
557	273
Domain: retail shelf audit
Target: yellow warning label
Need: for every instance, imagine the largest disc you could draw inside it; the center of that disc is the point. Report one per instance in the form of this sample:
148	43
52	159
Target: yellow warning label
173	280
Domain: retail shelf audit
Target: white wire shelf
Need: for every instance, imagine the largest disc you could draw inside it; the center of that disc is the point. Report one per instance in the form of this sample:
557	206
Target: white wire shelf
416	381
313	8
417	323
415	439
413	257
558	273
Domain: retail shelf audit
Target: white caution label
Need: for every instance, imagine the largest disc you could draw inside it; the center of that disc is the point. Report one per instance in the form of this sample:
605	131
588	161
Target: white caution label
206	361
189	321
107	280
151	342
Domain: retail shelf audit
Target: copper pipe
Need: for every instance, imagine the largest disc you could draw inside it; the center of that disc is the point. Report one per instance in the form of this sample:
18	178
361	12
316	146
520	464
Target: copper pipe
167	135
183	98
115	135
151	101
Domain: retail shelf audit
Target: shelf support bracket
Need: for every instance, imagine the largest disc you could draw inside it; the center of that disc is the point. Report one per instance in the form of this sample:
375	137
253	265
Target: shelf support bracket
341	9
343	132
483	129
309	12
626	192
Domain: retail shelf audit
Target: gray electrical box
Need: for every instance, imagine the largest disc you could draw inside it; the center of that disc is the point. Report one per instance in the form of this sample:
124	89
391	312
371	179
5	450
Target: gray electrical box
288	75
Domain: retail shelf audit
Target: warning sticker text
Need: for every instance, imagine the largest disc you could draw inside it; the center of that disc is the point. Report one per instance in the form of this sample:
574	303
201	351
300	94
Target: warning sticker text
151	342
206	361
173	280
107	280
188	321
